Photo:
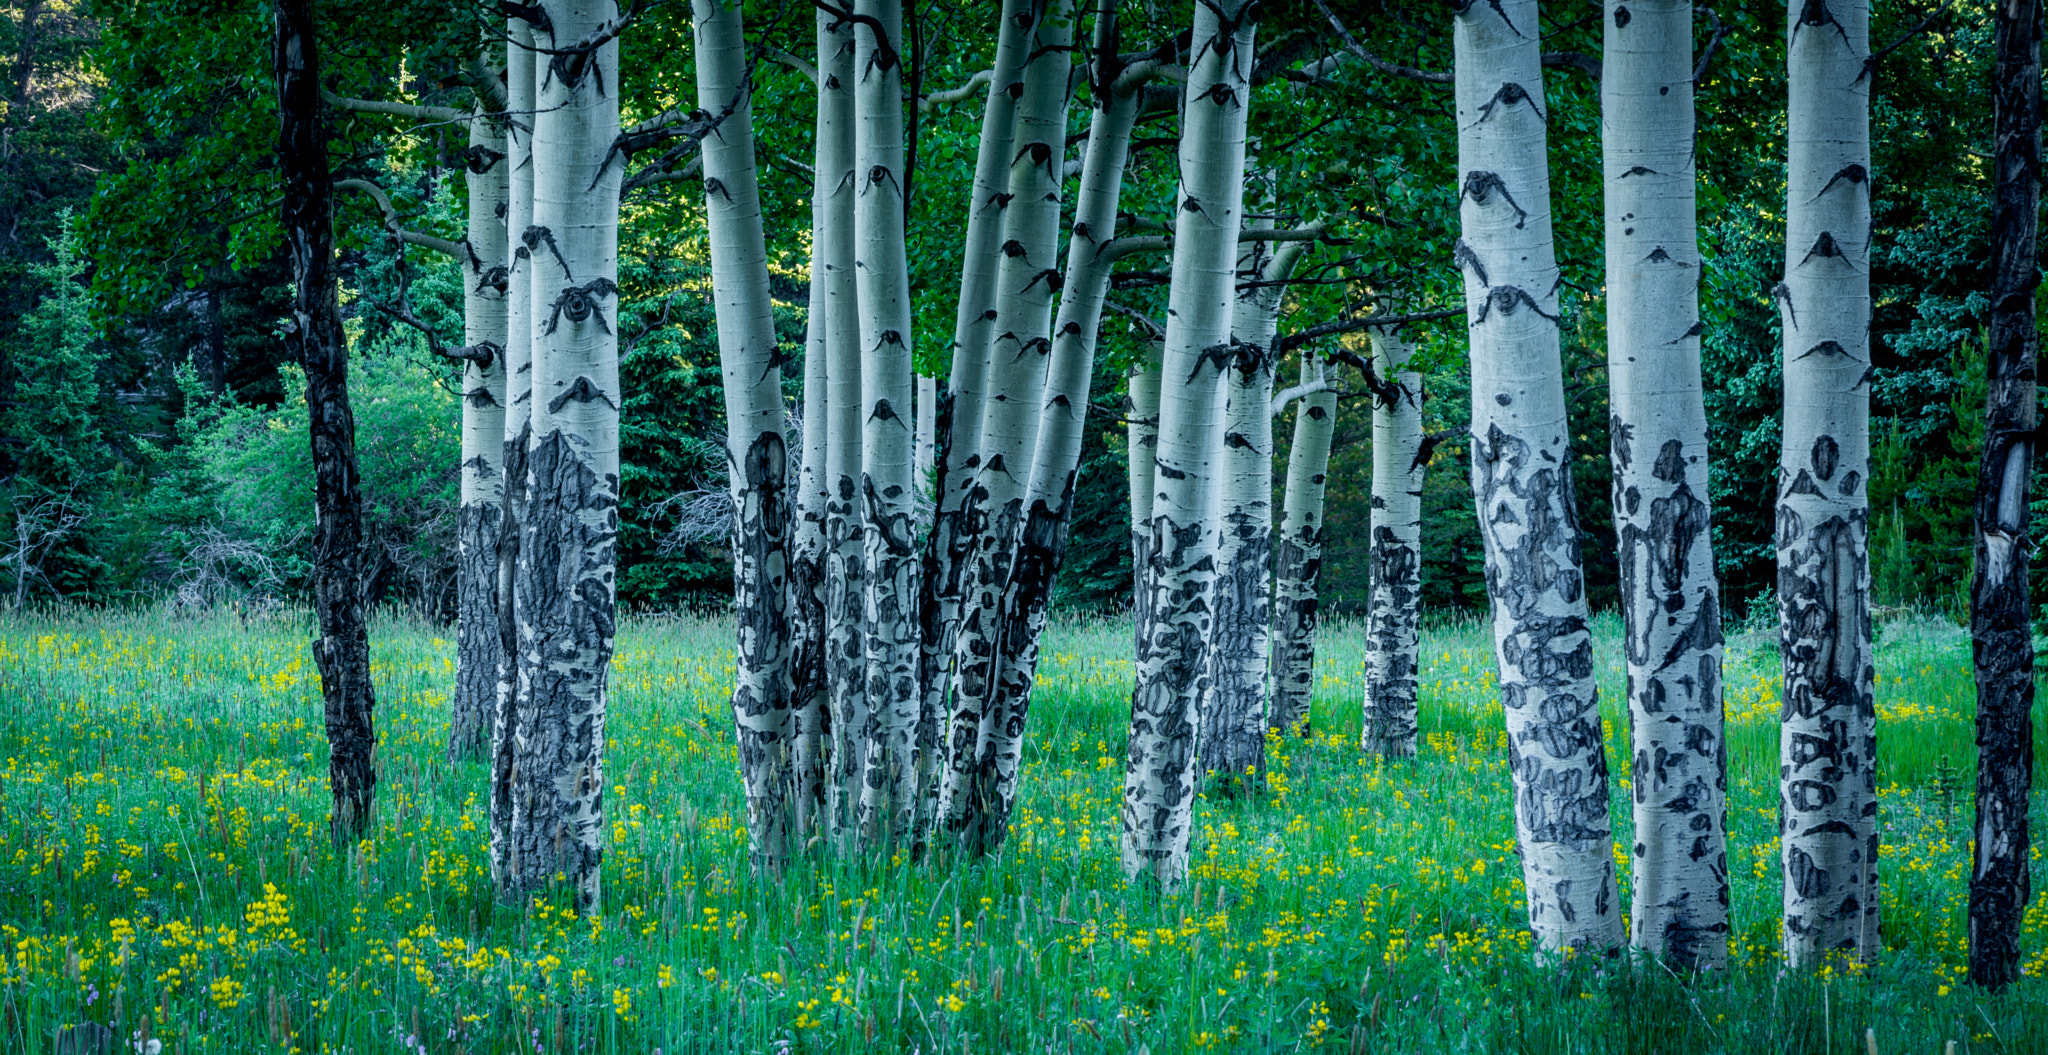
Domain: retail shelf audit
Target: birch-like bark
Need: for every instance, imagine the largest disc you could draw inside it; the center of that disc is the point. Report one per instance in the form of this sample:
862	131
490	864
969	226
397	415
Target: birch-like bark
567	589
992	513
888	502
315	339
478	521
927	430
1393	629
810	696
520	86
1141	446
1670	601
1041	539
1159	781
2000	608
1234	713
757	458
1298	552
1521	477
958	417
1828	731
845	550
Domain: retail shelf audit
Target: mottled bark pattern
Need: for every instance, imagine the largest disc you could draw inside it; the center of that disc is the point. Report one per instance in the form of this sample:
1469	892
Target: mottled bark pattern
1180	572
1298	554
1393	629
1670	602
1521	478
2000	609
486	280
1828	730
314	339
888	803
757	466
992	513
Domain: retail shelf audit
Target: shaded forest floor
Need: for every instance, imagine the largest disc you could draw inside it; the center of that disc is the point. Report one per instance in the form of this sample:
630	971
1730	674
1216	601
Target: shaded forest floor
164	863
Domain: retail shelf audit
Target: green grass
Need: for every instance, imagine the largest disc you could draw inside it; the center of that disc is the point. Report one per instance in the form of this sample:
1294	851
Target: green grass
164	863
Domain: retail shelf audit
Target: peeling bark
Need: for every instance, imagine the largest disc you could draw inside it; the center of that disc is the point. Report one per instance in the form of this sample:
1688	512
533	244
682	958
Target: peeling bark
567	586
315	340
1670	601
2000	605
1828	731
486	281
1298	553
1159	781
1393	634
757	458
1521	478
992	512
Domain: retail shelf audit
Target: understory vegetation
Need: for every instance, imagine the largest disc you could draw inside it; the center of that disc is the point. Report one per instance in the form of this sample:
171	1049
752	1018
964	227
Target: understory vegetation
166	869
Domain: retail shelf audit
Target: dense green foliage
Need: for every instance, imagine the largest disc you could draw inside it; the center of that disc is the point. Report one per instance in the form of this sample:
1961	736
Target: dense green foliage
153	120
162	812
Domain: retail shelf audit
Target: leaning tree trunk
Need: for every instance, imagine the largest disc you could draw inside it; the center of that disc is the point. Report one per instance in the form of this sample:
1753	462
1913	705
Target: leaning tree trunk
1670	601
1234	711
1393	635
1521	478
1041	538
505	733
1159	781
2000	608
486	284
993	510
757	458
1828	735
957	417
314	338
888	803
568	542
845	598
1298	552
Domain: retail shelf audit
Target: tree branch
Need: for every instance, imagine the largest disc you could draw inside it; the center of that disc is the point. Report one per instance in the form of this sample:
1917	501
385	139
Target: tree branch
784	58
1143	321
1352	45
1714	37
976	83
409	111
397	230
1306	388
1325	329
1574	60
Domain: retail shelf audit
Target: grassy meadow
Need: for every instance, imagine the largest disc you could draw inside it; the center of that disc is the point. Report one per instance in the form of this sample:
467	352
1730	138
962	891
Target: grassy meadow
165	868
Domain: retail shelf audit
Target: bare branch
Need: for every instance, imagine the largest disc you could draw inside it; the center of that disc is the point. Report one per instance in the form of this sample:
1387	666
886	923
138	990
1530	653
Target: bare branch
395	229
1393	69
1143	321
1714	38
794	62
1574	60
1306	388
409	111
1326	329
977	83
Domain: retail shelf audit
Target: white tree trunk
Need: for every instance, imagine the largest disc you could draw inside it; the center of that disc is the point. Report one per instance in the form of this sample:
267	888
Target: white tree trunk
993	510
1670	601
958	417
1298	552
520	85
845	610
569	539
1394	620
882	270
1828	739
1141	452
1234	712
927	430
471	711
757	458
1521	477
1159	783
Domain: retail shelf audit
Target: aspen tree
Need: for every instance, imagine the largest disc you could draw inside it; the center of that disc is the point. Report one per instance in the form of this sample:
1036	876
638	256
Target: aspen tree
1670	601
1521	479
757	458
1159	781
567	589
1828	732
1393	634
1298	550
882	271
472	709
1018	353
2000	608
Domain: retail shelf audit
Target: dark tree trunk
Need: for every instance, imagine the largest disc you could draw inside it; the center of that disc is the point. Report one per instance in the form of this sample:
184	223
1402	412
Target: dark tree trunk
2002	643
313	337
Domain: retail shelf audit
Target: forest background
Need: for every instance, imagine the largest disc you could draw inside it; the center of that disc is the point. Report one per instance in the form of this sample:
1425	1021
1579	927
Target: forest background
152	438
